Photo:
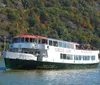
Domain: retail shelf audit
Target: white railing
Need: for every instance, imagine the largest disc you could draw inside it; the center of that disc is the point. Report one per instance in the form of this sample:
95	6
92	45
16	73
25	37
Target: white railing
16	55
28	45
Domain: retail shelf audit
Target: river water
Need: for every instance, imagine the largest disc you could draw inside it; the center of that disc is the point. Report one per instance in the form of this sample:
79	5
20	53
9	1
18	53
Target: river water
49	77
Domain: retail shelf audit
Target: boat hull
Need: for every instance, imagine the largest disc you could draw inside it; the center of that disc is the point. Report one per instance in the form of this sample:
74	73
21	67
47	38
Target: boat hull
31	64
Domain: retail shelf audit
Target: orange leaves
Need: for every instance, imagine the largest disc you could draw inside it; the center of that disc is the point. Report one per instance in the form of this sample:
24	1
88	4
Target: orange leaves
72	13
43	26
84	23
45	23
74	8
38	19
90	26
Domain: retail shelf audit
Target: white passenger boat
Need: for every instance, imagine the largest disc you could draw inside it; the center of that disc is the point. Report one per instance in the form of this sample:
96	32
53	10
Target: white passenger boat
38	52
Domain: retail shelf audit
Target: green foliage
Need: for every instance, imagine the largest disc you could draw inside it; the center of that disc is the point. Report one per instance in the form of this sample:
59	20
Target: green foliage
95	42
1	48
12	15
9	3
72	20
31	21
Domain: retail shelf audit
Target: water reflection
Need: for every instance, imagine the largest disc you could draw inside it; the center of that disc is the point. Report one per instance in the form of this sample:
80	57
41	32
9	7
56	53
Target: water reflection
52	77
49	77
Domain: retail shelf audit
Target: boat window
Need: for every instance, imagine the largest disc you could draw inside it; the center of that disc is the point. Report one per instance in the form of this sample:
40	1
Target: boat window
68	57
64	56
83	57
34	40
64	45
72	46
55	43
79	57
61	56
44	41
18	40
88	57
14	40
22	39
11	42
50	42
39	41
60	44
67	45
31	40
77	47
26	39
76	57
92	57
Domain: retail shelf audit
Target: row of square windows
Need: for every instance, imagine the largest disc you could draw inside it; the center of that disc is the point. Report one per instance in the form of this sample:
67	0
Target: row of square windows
43	41
76	57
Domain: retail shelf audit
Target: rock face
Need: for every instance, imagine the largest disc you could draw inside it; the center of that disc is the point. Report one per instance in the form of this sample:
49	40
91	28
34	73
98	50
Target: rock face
2	5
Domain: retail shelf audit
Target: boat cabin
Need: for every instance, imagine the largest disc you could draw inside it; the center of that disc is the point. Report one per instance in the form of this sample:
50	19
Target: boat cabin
39	40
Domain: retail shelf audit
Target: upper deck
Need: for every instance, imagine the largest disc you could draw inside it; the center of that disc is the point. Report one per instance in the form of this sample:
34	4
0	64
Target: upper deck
38	42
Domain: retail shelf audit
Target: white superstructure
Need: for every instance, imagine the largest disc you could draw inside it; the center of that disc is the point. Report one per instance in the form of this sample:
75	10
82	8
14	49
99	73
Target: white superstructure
38	48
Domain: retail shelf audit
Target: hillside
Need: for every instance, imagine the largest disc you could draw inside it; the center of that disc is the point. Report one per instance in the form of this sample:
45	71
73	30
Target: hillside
71	20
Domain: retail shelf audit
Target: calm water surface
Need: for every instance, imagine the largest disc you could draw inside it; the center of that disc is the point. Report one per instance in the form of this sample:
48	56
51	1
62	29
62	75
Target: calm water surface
49	77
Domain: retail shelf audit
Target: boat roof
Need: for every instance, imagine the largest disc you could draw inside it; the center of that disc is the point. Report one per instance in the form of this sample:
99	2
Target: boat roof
30	36
41	37
63	41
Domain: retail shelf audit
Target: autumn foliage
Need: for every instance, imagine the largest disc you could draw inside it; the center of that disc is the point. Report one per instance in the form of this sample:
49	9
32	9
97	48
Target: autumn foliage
71	20
84	23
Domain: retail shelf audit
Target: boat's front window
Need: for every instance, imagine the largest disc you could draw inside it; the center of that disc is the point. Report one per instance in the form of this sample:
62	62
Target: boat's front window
22	39
39	41
11	42
44	41
33	40
16	40
26	39
30	40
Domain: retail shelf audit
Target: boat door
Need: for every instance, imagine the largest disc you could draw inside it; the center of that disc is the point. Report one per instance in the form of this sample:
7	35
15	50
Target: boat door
39	57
